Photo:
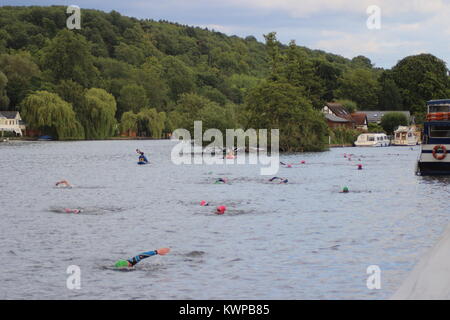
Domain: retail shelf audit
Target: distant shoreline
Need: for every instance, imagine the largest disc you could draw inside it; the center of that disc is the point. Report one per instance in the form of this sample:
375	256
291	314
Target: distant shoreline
137	139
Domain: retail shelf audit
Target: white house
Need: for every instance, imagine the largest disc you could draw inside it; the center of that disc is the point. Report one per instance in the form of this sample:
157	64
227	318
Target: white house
10	121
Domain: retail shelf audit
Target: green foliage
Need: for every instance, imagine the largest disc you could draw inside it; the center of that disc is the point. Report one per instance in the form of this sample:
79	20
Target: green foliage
21	73
180	77
73	93
362	62
421	78
129	122
188	107
151	122
132	98
375	128
392	120
68	56
98	117
361	86
389	97
278	105
50	114
4	100
343	135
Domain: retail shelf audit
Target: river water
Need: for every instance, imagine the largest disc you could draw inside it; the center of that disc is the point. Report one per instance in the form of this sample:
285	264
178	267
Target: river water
302	240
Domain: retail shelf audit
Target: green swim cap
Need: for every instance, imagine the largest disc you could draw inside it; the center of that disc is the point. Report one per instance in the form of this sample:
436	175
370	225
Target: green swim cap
345	189
122	264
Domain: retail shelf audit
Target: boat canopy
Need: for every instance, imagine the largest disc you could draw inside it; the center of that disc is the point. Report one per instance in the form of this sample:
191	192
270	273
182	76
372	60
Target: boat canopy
439	102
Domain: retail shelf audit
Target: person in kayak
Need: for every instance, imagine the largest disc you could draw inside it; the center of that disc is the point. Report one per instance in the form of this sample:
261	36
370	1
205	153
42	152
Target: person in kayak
142	157
136	259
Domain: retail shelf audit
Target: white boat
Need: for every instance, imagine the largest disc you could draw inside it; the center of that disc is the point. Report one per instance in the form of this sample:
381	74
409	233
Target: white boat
372	140
434	158
405	136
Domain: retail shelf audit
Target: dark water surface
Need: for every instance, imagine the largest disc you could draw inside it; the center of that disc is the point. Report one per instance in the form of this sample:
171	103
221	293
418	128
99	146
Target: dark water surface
303	240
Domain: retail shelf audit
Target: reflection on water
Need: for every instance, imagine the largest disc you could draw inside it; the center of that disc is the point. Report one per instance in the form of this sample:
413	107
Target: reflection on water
300	240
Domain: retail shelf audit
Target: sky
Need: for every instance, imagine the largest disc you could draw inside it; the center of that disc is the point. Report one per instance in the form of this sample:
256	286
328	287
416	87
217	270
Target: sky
404	27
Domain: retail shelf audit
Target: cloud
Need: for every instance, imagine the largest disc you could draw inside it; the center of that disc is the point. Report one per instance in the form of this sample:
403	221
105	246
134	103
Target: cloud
350	45
305	8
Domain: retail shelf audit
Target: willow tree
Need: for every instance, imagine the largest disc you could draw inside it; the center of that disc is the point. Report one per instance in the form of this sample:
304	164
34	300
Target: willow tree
99	114
152	122
48	113
129	122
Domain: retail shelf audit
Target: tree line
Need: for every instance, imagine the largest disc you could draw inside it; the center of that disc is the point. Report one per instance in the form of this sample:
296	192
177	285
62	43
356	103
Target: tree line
119	74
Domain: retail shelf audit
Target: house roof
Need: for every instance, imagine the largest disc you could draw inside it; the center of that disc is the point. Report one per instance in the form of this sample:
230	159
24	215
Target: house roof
333	118
338	109
9	114
375	116
359	118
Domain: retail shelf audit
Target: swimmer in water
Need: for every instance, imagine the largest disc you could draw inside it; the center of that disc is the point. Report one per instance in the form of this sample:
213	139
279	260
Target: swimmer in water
133	261
221	180
281	180
63	183
67	210
345	190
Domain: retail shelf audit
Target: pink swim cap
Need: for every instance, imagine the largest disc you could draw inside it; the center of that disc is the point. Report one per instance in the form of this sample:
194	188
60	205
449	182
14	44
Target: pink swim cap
203	203
289	165
221	209
303	162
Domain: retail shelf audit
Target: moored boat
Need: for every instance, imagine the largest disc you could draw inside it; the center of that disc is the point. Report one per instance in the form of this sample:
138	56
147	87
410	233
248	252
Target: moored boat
406	136
372	140
434	159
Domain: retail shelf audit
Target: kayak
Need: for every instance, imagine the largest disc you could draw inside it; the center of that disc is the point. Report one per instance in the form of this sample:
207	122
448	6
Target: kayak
142	162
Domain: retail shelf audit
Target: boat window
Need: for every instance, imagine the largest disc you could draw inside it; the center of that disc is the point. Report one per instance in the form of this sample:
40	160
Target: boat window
439	109
440	131
371	139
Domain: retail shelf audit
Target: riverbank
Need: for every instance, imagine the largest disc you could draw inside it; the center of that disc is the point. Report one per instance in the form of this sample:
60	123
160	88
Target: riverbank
430	278
348	145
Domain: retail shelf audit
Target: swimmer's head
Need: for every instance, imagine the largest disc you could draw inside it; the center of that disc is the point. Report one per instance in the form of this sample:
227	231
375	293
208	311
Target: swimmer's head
221	209
122	264
345	190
